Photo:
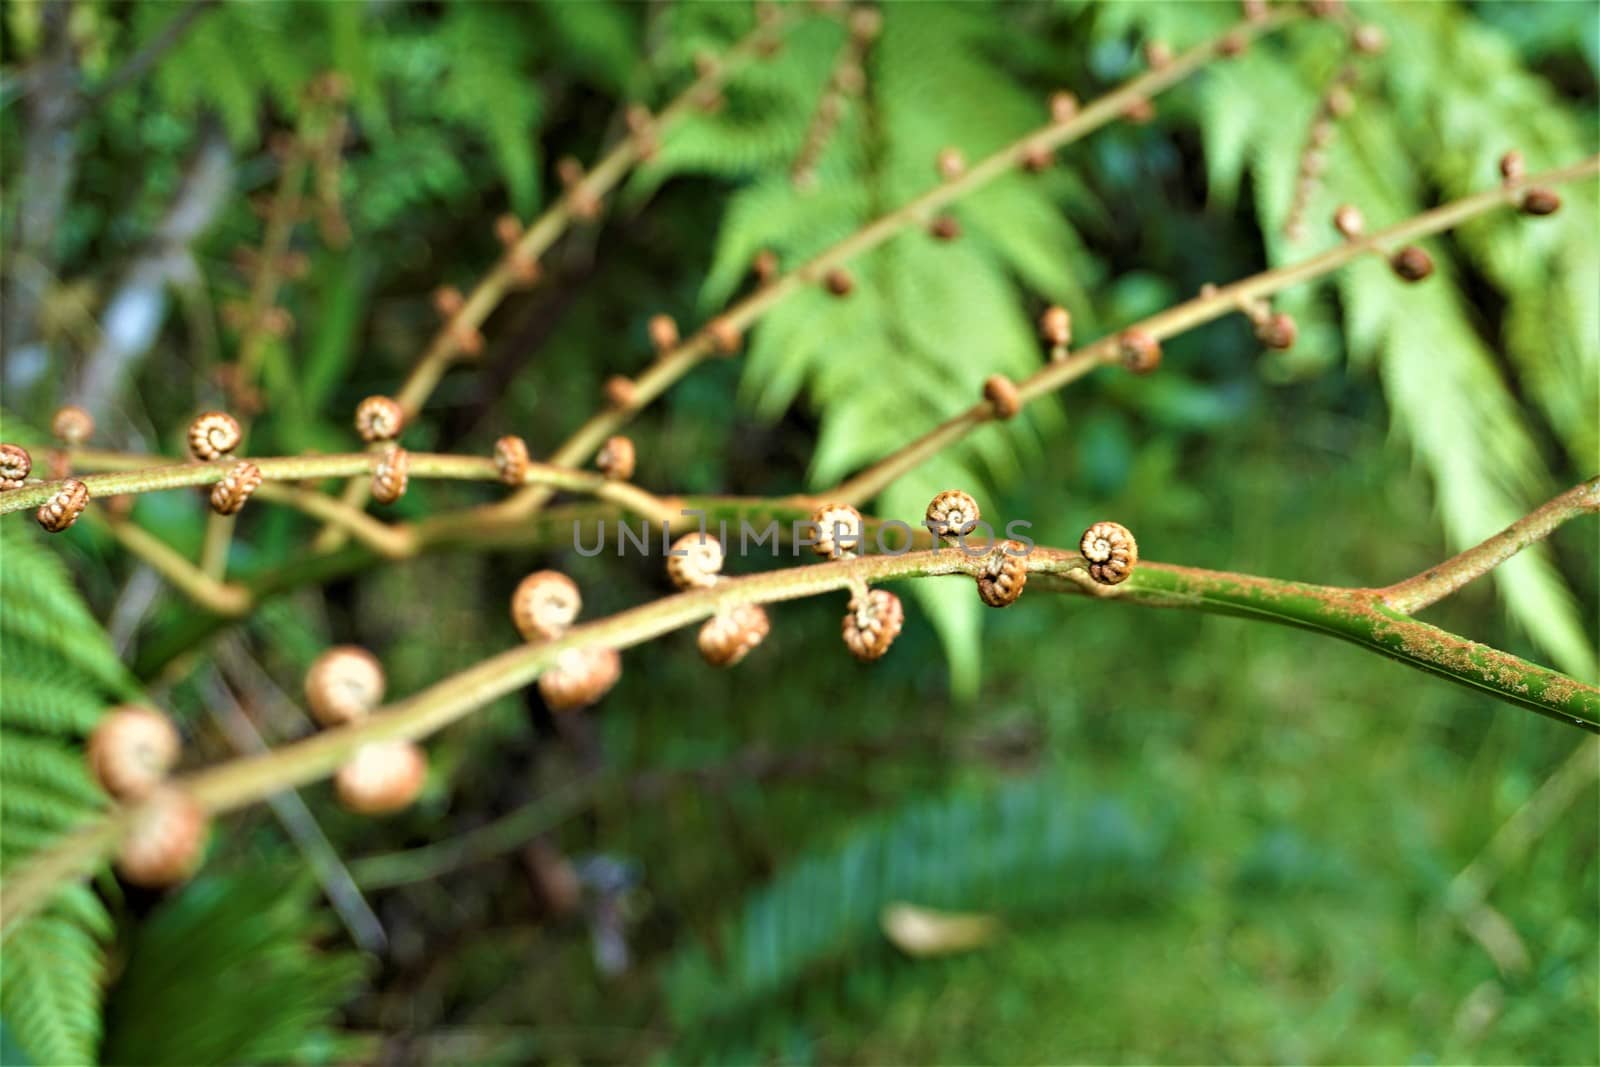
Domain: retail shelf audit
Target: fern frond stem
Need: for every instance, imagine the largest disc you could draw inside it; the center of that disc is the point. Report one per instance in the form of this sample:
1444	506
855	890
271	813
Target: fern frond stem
281	221
825	116
214	546
148	479
1360	616
282	218
543	232
223	598
867	484
1434	584
388	541
675	363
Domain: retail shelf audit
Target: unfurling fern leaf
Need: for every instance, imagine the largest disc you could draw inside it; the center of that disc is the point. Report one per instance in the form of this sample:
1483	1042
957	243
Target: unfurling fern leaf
60	673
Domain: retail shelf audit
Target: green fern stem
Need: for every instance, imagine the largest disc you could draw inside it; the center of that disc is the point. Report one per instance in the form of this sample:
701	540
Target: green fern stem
1360	616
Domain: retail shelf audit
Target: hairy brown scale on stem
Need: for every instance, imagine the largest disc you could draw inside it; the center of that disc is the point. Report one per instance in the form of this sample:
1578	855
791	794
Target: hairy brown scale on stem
945	228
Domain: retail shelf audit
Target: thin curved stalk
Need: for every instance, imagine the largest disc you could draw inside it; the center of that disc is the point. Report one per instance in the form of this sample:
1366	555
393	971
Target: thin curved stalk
1434	584
1226	300
149	479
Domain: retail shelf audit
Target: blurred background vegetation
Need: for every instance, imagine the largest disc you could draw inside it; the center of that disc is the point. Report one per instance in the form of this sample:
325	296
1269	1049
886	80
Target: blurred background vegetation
1179	838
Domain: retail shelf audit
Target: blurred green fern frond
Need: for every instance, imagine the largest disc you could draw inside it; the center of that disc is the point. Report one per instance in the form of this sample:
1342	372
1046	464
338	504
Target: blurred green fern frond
1033	847
60	674
246	949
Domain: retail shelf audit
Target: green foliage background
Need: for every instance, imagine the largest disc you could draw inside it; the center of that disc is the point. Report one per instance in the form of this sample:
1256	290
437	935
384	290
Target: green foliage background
1205	840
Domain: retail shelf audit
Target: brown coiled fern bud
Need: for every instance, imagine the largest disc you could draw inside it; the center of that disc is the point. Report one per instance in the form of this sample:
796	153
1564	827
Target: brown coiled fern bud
165	841
871	624
1277	331
511	459
382	777
344	685
839	531
1541	201
729	636
616	458
229	496
544	604
63	509
1412	263
663	330
952	514
72	425
694	561
1111	552
213	435
1004	574
1001	393
15	466
1138	351
390	476
379	418
131	751
580	677
1055	326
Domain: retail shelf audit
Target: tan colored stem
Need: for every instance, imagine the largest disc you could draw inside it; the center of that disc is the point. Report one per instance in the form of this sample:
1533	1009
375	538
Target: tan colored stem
210	593
147	479
866	485
1434	584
